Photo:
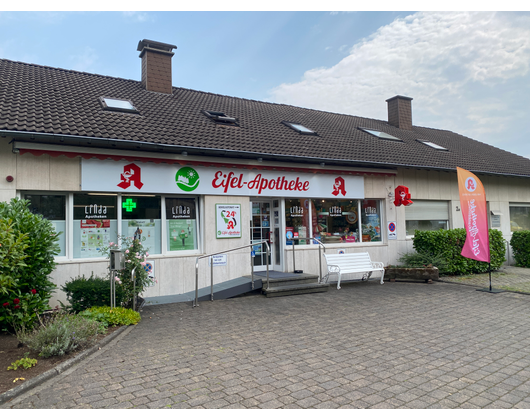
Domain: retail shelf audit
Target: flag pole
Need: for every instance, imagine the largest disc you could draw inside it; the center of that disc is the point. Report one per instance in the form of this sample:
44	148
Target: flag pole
490	290
489	269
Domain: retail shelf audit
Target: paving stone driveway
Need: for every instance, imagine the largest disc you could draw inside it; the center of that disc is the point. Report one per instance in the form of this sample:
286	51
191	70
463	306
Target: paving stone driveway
397	345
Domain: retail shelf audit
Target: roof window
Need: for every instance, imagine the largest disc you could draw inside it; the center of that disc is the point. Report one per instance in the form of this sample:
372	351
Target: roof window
113	104
431	144
380	134
221	117
299	127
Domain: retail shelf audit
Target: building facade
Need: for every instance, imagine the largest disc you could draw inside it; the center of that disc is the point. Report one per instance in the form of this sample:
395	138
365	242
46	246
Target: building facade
195	173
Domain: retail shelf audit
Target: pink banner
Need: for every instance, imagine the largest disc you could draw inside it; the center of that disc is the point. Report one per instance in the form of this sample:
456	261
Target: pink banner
474	211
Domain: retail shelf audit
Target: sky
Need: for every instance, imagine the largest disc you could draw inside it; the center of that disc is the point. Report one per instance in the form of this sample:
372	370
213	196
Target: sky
468	72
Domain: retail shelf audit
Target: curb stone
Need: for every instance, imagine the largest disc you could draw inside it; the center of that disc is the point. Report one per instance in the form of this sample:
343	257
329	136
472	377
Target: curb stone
43	377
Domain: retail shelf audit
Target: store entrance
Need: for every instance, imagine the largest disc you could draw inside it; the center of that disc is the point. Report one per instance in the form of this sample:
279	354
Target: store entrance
265	225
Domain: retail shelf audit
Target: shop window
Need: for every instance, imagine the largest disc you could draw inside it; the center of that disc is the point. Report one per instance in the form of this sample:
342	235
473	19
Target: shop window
336	221
95	224
181	224
519	217
426	215
296	221
53	208
141	219
371	220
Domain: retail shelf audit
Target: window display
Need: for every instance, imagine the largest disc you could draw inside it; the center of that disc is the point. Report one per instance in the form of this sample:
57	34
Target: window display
141	216
296	221
95	224
371	221
181	224
335	221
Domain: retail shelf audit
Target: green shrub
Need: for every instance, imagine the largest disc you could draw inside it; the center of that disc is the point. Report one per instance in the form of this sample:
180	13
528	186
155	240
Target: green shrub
33	275
423	259
83	293
12	255
63	334
110	317
448	244
520	244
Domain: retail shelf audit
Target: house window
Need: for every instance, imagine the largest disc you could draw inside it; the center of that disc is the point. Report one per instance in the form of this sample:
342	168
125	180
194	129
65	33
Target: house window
519	217
426	215
53	208
431	144
221	117
112	104
299	128
380	134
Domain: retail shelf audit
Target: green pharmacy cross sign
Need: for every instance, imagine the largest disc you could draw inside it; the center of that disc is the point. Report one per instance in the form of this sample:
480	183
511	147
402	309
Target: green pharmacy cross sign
129	205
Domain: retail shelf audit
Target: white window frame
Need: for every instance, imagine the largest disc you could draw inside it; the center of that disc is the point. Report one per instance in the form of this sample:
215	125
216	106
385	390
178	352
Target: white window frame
69	225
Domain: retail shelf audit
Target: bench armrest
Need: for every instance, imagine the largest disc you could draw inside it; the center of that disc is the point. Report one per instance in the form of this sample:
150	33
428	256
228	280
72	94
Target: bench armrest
333	267
378	265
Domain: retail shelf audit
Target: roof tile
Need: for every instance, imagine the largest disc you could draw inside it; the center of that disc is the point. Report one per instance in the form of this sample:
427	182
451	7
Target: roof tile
50	100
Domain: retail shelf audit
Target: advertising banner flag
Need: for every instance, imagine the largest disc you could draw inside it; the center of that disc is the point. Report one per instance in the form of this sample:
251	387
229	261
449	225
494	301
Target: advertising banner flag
474	211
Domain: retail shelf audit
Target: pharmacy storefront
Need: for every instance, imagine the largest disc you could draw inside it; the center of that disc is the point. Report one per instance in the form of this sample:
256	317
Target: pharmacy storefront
165	203
181	211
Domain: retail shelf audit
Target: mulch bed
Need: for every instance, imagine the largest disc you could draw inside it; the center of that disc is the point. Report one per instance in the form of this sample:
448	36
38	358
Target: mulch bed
11	350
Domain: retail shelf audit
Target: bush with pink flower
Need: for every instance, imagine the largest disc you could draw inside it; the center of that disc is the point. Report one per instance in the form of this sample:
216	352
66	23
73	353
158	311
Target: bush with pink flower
135	258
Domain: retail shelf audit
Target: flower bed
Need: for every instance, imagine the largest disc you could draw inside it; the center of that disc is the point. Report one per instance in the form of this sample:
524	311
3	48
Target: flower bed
427	274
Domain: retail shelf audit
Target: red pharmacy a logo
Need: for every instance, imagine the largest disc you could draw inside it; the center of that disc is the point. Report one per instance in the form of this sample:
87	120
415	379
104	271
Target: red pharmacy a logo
402	196
132	175
339	186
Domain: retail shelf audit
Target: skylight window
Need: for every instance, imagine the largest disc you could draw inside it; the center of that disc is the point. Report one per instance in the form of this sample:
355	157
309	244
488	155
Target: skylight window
113	104
221	117
431	144
299	127
380	134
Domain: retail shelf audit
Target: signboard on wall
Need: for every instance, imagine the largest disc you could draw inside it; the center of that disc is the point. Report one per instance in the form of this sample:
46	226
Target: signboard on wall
149	177
228	221
392	232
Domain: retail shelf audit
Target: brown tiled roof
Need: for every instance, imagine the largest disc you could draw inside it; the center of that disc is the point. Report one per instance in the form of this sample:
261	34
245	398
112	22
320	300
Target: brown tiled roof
48	100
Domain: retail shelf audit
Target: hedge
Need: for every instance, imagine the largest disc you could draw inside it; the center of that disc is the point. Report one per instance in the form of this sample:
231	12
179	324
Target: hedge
520	244
449	243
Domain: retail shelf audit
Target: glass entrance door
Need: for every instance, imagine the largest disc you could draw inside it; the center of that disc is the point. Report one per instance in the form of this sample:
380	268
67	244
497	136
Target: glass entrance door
260	230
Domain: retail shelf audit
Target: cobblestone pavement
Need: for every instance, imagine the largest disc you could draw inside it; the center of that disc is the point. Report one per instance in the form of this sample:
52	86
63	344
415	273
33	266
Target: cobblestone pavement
515	279
397	345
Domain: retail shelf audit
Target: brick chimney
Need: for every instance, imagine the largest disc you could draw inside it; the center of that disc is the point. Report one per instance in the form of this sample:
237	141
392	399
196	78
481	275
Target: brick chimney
156	65
400	112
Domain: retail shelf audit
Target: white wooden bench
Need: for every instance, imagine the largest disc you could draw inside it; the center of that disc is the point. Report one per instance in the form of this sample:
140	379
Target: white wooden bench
358	262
